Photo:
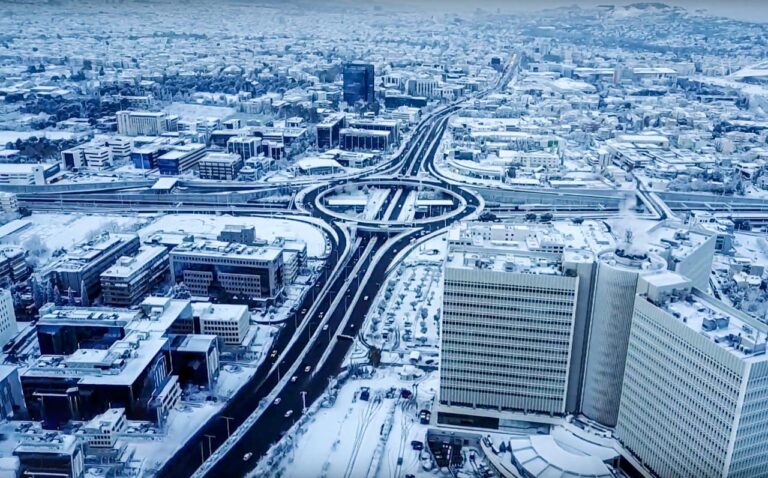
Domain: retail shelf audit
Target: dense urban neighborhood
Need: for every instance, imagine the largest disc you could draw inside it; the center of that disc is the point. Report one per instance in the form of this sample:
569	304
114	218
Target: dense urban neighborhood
371	239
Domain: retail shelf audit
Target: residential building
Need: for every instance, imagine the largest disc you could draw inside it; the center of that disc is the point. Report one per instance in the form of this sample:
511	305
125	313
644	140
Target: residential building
131	278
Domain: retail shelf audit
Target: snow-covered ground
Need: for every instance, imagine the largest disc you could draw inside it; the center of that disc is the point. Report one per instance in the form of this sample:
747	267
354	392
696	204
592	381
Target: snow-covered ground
54	231
351	437
12	136
357	438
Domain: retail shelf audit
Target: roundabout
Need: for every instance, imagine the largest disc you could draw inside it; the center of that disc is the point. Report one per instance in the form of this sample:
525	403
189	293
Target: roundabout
383	205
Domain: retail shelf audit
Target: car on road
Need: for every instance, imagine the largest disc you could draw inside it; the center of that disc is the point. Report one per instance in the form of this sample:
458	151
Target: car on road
288	414
277	401
294	378
325	327
307	368
365	298
247	456
303	311
273	354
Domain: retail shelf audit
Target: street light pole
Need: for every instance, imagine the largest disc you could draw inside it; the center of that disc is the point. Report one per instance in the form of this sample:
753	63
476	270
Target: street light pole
227	419
210	447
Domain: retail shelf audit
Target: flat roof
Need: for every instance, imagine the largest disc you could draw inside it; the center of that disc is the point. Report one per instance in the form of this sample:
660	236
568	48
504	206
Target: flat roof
129	265
208	248
728	328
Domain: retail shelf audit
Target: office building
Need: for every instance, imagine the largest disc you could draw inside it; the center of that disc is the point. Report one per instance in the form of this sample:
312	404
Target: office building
239	234
145	157
51	454
103	430
424	87
364	139
694	400
358	83
27	173
246	146
512	333
144	123
391	126
8	326
8	202
327	132
73	157
13	264
97	157
11	397
613	300
82	265
64	330
133	373
195	359
181	159
687	251
227	321
229	270
220	166
131	278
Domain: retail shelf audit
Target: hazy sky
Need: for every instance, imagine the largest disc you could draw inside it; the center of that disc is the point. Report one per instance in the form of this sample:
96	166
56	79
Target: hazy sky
751	10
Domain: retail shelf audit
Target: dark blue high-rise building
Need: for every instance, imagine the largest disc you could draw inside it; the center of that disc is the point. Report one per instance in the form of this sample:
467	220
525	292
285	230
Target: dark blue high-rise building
358	83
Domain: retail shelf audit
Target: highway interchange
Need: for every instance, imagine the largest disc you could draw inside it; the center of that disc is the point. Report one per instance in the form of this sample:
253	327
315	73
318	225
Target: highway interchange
312	344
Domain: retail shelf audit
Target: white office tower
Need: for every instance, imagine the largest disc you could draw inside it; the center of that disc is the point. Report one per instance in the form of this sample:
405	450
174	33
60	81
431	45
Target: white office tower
695	395
612	303
509	320
8	327
688	251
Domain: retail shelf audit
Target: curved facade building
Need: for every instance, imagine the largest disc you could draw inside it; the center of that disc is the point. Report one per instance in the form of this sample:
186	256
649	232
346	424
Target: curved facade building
613	303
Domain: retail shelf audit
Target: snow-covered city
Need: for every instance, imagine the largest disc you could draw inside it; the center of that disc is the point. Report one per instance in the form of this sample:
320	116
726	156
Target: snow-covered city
292	239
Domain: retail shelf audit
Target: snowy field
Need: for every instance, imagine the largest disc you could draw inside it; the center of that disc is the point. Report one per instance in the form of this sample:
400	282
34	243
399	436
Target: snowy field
12	136
266	228
54	231
192	112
